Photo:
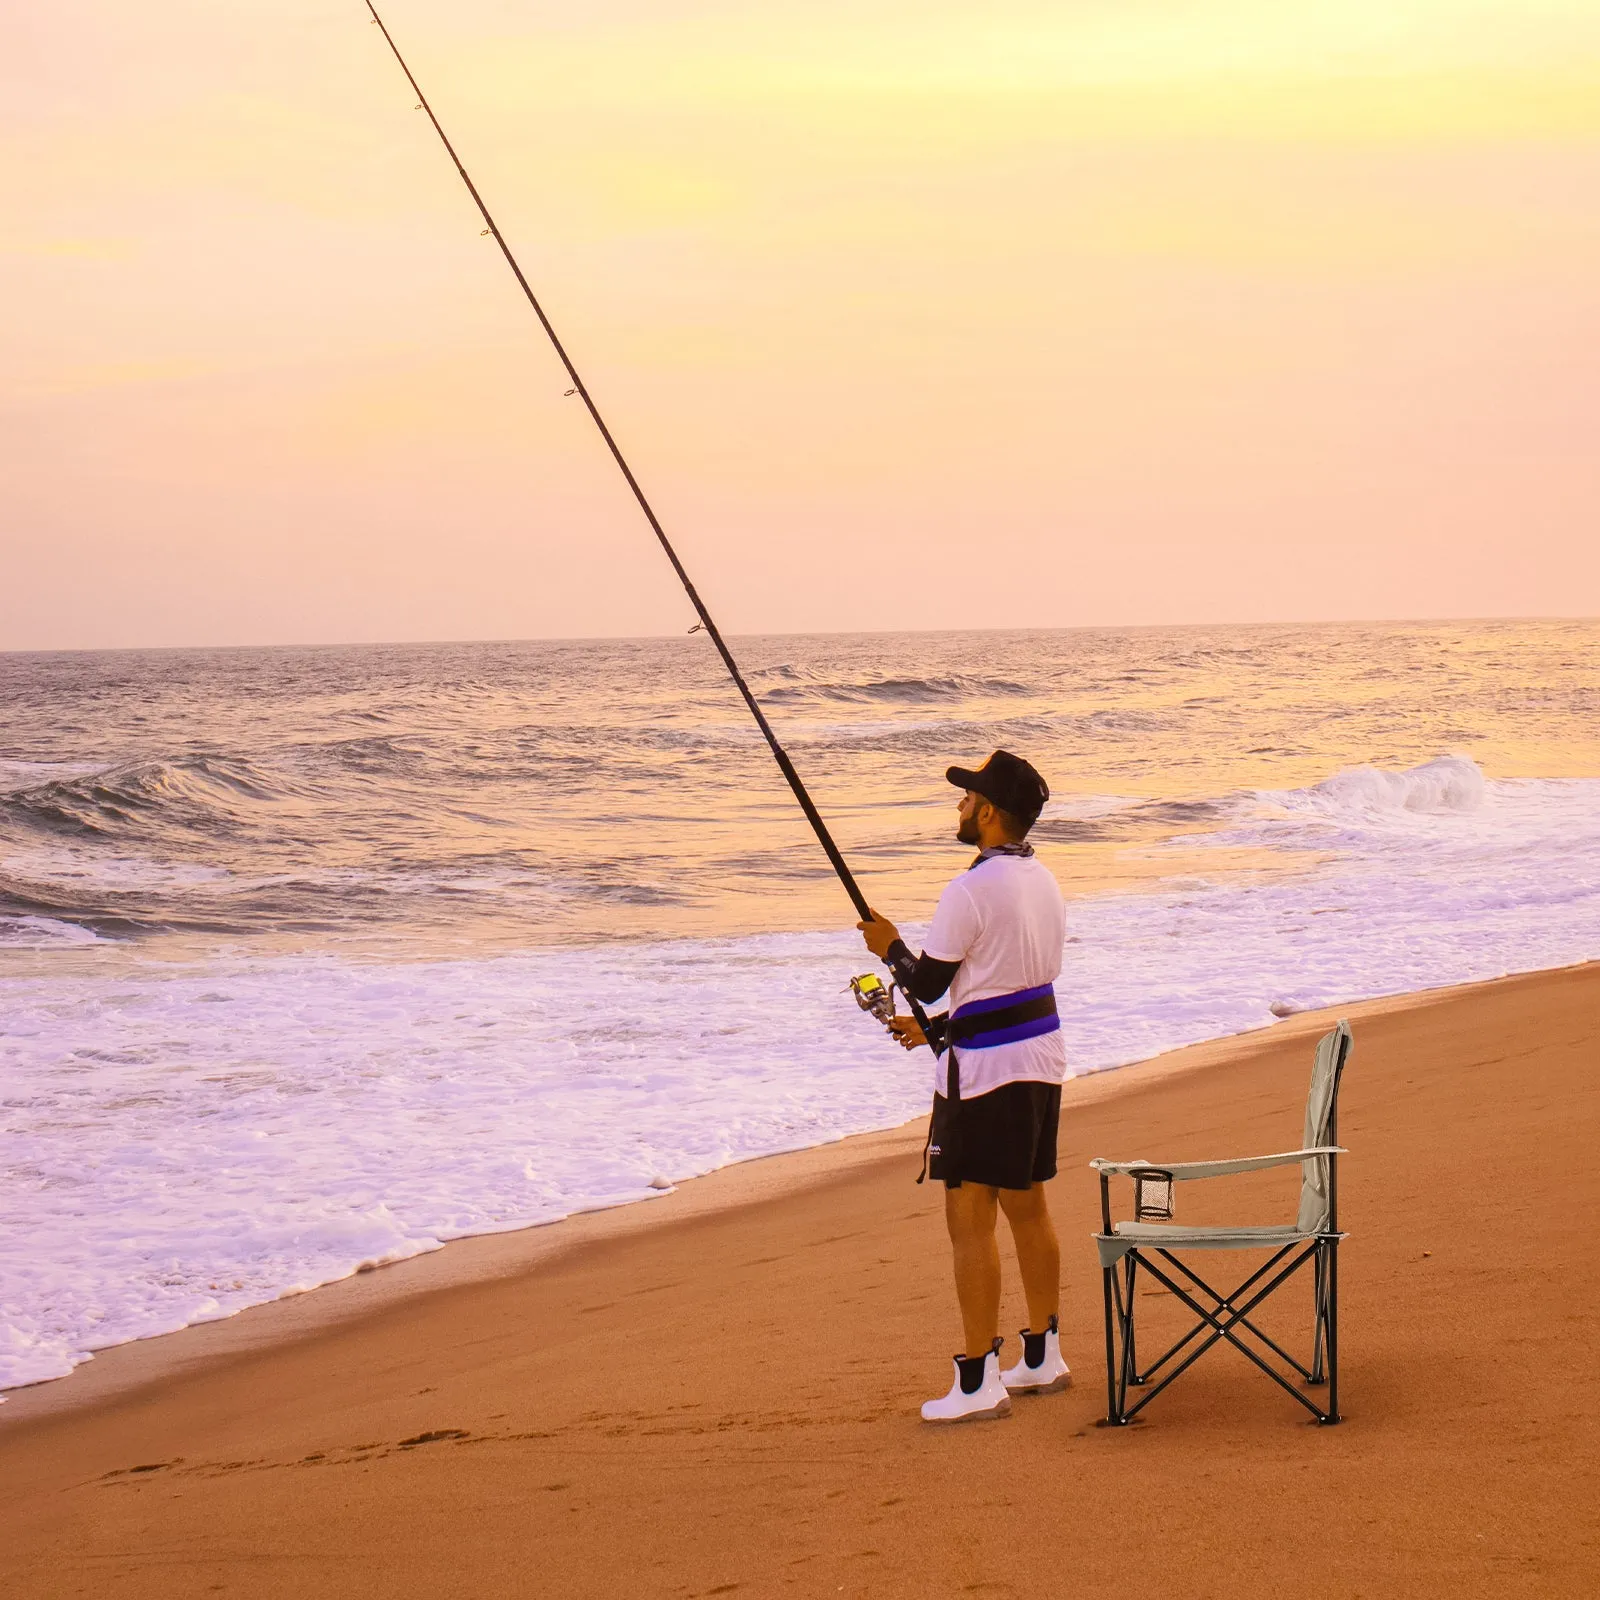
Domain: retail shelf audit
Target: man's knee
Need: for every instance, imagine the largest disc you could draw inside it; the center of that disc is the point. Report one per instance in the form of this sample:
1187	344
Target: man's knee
970	1209
1025	1207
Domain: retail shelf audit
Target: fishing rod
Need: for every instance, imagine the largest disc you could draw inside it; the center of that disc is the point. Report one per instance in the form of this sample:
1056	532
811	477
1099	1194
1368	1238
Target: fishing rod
779	754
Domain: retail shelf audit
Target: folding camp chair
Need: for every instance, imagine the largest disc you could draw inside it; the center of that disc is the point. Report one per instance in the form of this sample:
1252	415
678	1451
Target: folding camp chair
1149	1241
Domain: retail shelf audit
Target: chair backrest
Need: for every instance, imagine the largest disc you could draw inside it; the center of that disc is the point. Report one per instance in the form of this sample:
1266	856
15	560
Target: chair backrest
1322	1128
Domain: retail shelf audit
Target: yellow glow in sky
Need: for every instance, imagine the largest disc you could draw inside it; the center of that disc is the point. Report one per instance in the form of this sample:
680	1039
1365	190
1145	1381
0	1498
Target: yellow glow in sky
1248	310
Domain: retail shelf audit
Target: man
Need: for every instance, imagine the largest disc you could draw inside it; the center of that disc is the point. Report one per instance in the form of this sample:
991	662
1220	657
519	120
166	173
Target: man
995	943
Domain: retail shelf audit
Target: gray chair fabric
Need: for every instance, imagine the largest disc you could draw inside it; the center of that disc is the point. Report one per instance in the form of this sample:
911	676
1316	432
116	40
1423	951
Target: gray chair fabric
1313	1214
1311	1218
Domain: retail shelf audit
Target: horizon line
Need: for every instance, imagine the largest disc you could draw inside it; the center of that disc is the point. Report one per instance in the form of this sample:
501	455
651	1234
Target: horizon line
805	633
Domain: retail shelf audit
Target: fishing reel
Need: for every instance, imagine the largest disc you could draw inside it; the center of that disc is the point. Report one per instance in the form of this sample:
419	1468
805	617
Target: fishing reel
874	995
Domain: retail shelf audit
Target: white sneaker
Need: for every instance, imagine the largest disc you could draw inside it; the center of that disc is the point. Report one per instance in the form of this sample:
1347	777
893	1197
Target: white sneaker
1050	1375
988	1400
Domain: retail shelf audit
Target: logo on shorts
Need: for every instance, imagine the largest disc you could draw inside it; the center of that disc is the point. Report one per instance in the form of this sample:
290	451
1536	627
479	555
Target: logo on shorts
934	1150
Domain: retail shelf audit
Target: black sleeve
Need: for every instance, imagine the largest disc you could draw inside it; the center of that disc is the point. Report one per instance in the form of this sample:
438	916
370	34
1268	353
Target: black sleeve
922	976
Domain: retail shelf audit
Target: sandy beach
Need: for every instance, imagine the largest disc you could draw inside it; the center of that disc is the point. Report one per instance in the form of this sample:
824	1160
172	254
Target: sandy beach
716	1393
538	536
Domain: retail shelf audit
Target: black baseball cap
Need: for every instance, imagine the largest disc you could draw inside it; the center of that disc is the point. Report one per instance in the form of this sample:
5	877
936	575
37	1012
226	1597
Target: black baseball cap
1006	781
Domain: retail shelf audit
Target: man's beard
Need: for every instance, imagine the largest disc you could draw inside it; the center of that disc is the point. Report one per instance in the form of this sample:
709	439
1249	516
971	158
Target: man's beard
967	833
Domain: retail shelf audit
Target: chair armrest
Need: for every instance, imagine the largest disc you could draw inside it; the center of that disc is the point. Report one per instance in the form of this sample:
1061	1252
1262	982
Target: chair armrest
1184	1170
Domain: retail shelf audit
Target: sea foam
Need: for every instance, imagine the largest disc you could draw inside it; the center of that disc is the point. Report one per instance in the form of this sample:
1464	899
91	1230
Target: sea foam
187	1140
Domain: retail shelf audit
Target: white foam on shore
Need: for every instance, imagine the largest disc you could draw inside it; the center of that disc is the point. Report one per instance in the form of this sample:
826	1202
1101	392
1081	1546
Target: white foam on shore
183	1141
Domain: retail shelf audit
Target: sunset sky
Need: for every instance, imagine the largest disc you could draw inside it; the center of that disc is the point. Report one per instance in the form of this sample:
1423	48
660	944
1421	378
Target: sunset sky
910	315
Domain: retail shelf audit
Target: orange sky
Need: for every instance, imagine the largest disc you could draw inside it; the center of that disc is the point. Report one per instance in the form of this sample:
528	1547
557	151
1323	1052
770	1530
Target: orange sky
911	315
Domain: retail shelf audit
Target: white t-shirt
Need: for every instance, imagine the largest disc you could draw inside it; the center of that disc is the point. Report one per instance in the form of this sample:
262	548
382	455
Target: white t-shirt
1005	922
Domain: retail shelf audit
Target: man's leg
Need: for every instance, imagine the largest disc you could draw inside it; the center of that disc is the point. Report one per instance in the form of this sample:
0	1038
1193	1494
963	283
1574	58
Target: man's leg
969	1214
1038	1252
979	1390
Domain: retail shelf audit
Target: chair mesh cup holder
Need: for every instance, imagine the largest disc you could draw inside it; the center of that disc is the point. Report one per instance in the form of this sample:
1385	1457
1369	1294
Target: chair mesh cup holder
1153	1194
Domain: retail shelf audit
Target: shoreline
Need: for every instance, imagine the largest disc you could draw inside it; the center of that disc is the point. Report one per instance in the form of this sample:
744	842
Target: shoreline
717	1394
138	1365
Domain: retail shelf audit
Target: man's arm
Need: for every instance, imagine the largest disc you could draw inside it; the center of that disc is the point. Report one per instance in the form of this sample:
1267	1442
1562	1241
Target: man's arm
924	976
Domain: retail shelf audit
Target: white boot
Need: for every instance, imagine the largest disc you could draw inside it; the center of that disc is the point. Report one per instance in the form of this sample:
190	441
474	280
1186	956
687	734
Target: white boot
1048	1376
989	1399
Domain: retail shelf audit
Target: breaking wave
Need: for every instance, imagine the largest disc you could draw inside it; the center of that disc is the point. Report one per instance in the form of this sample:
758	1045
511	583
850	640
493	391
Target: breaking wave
198	792
895	691
1449	785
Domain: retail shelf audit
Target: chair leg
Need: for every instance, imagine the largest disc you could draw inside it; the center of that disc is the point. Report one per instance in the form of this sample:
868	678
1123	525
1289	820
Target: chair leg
1131	1351
1113	1410
1227	1319
1224	1322
1320	1317
1333	1332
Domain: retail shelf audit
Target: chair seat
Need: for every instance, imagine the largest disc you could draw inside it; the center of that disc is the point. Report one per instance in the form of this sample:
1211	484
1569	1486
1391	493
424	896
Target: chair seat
1125	1236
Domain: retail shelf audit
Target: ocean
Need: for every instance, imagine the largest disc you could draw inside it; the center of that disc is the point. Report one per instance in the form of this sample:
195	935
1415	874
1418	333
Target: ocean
317	958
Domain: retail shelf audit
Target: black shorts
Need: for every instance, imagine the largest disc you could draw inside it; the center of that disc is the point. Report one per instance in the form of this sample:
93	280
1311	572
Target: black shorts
1006	1138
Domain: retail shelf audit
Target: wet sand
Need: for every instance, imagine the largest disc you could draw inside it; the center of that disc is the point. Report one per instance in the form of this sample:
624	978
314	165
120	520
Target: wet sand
716	1393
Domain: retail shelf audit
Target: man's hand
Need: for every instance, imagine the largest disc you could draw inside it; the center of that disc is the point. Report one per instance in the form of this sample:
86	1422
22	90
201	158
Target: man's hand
908	1032
879	934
